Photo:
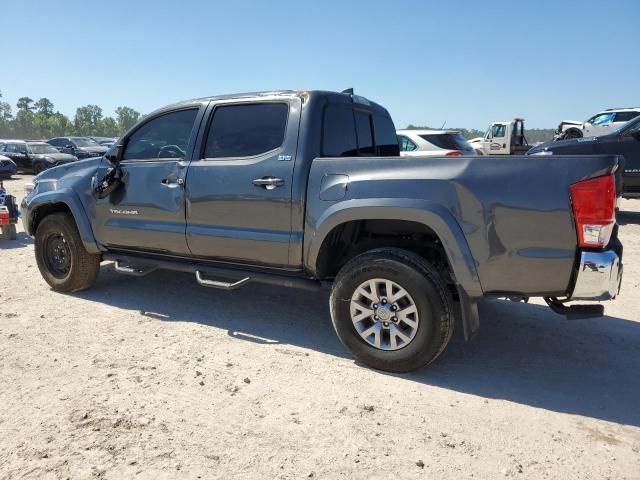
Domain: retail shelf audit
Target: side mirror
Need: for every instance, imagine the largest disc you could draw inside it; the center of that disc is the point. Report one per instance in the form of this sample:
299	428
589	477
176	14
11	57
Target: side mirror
114	154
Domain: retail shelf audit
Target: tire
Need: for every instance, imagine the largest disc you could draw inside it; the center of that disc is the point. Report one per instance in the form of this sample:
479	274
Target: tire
39	168
62	259
426	290
571	134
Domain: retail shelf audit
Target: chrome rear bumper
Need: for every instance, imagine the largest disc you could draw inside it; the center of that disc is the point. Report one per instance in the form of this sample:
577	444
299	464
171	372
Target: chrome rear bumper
599	276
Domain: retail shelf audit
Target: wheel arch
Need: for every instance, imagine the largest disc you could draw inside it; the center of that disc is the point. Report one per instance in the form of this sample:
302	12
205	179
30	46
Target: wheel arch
52	202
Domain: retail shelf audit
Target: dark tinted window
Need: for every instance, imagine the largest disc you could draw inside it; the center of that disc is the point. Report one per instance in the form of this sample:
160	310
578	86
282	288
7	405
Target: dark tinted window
448	141
385	134
365	135
246	130
339	132
626	116
166	136
406	145
3	147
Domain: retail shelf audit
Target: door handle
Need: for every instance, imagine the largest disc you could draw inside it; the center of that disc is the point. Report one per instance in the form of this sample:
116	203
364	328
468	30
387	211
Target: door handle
268	183
172	183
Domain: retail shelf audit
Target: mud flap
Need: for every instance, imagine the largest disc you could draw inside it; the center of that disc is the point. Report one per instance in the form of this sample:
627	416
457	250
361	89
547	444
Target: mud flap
470	315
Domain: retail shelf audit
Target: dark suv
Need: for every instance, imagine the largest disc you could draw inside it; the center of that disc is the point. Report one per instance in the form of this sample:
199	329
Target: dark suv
33	156
81	147
624	141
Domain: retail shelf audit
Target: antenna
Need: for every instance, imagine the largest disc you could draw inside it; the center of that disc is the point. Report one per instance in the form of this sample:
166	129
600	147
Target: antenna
442	127
348	91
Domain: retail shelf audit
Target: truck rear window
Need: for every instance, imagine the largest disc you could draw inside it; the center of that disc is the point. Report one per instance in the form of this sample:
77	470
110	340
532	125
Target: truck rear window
448	141
349	133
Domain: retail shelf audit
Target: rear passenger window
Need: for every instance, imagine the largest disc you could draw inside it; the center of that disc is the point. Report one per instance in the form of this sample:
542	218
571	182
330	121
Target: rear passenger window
386	140
246	130
339	132
626	116
365	135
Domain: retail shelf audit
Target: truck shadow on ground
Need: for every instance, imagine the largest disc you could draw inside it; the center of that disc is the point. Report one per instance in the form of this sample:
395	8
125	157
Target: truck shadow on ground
523	353
22	240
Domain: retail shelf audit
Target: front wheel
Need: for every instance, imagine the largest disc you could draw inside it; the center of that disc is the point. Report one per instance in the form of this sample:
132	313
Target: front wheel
392	310
39	168
62	259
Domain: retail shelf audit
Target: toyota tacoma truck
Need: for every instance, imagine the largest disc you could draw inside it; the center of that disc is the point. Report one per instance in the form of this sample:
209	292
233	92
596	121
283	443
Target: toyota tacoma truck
305	189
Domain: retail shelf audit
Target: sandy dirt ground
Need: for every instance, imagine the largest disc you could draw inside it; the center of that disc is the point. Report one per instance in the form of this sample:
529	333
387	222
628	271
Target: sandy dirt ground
156	377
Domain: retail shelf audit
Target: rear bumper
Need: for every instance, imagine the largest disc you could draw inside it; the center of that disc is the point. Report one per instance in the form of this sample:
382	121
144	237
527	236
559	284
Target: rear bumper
599	276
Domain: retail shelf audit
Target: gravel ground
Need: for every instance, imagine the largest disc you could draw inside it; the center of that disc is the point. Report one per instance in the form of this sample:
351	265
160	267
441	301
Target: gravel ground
156	377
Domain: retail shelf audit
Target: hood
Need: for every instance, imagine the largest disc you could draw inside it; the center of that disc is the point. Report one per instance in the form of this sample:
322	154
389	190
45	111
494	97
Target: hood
571	122
56	157
101	149
68	168
560	145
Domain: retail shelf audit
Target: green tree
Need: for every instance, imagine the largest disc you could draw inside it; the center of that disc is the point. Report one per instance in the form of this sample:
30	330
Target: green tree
60	125
109	127
126	117
6	119
44	106
24	104
87	120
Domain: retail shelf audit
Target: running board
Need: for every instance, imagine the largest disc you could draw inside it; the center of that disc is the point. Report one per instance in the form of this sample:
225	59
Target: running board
139	266
220	285
575	312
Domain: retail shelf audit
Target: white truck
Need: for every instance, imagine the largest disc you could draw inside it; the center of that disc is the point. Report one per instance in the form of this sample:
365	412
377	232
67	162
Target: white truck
502	138
601	123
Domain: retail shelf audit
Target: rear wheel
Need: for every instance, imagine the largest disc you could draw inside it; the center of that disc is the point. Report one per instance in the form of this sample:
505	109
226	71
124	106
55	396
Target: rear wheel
62	259
392	310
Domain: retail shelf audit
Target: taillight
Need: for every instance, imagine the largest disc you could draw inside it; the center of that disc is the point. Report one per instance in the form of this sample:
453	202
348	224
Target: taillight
455	153
594	208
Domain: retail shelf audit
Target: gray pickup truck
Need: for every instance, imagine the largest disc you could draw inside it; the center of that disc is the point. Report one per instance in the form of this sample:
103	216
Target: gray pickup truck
301	189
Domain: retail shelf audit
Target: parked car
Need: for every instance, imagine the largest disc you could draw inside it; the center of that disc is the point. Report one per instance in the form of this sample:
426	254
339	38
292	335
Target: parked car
33	156
300	189
7	167
426	143
81	147
624	141
105	141
502	138
601	123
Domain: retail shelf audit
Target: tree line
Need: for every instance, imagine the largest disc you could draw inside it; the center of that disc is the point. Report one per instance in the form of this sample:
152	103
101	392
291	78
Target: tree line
38	119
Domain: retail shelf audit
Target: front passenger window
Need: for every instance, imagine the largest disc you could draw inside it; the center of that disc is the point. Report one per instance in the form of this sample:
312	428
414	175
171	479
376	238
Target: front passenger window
163	137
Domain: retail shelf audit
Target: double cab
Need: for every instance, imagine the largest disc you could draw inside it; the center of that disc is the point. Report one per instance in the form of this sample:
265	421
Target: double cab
307	189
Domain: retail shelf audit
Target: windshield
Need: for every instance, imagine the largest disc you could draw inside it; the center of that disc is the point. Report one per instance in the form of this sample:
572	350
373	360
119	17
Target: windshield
85	142
41	148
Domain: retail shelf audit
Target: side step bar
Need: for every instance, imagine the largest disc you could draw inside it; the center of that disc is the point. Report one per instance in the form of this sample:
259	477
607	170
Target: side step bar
574	312
233	278
221	285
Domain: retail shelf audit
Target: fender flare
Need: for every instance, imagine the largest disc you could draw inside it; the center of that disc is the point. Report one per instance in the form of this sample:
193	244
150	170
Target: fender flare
69	198
428	213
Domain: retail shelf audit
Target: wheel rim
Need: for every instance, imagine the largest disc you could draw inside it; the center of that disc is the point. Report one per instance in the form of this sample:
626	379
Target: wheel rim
384	314
57	255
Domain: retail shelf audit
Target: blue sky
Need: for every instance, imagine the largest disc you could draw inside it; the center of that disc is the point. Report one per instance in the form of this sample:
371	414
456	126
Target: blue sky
464	62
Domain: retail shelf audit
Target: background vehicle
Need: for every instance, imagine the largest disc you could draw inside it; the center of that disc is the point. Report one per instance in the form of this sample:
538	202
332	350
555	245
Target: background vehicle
33	156
601	123
427	143
502	138
105	141
624	141
8	215
7	167
295	188
81	147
